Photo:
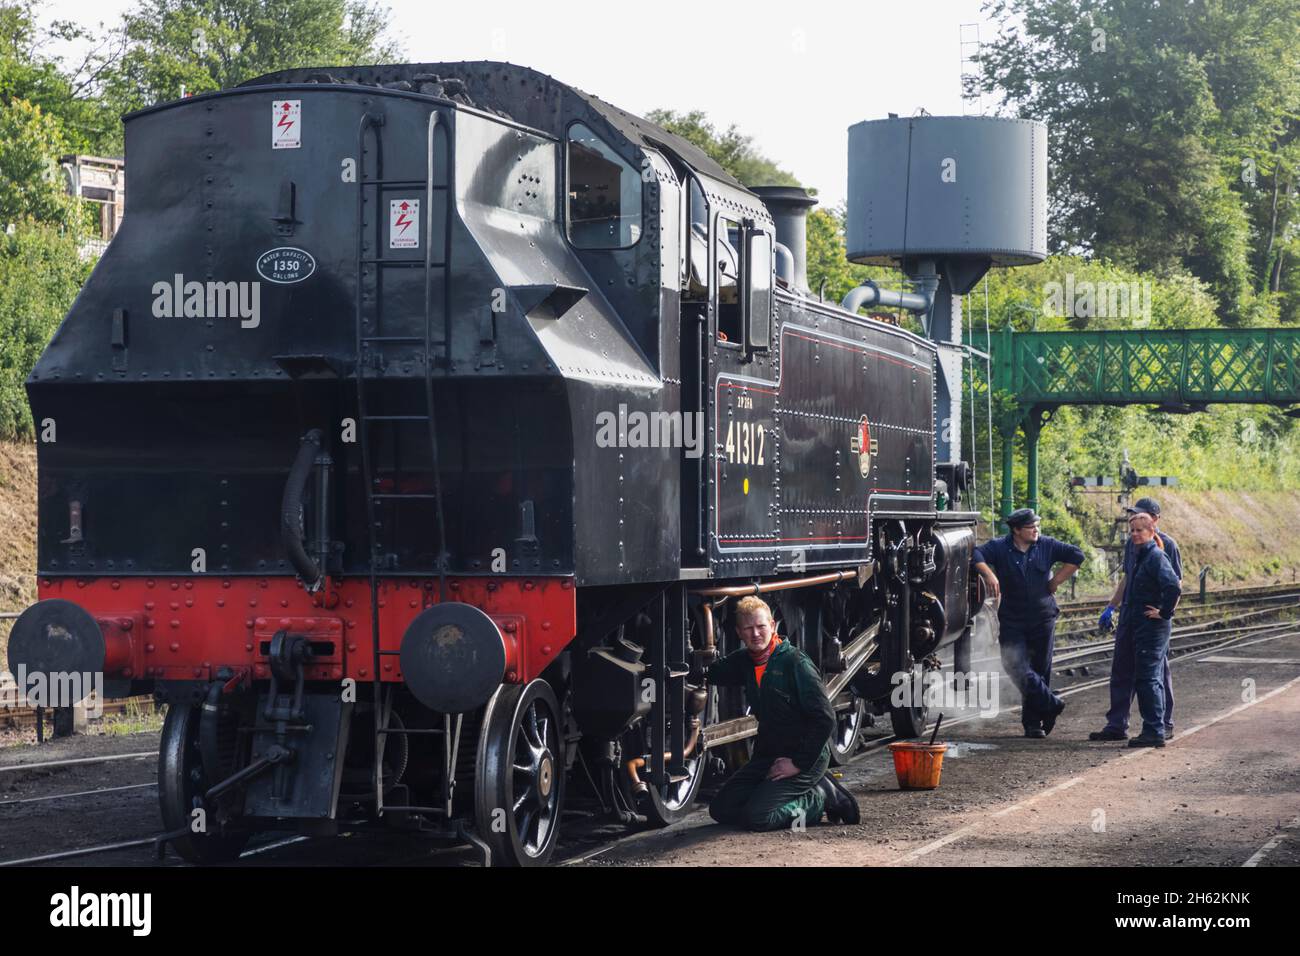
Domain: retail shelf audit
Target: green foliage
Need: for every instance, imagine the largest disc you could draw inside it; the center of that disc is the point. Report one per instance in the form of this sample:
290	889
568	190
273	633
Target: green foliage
197	46
31	183
732	151
829	272
29	75
1237	447
40	275
1033	298
1174	134
41	119
47	111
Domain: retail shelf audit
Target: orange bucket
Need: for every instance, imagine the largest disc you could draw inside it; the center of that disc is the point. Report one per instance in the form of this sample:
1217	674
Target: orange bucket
918	765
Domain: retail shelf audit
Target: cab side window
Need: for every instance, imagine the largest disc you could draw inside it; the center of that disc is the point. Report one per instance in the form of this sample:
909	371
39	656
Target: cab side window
727	251
604	194
758	289
695	284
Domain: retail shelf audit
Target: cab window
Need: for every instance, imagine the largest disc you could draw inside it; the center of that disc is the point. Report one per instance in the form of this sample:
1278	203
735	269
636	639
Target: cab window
604	202
695	288
727	246
758	290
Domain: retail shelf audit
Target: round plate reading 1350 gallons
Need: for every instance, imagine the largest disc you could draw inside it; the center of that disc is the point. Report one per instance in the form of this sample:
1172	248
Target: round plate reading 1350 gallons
285	265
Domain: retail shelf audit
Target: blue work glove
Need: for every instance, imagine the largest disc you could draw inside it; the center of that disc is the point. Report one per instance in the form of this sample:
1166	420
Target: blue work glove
1106	624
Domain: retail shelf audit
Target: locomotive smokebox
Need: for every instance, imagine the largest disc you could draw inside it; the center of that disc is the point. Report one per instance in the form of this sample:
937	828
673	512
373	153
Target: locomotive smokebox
453	657
789	206
55	637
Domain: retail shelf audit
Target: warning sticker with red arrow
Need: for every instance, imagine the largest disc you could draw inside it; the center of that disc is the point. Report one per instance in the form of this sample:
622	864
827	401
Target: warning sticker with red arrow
404	224
286	124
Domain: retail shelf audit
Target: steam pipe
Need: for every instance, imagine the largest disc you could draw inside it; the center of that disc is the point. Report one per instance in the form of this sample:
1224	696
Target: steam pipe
788	206
785	264
631	767
740	590
871	294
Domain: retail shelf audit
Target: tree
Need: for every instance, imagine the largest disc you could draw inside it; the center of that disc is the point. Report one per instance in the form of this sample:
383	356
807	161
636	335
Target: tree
829	271
1172	131
732	151
40	275
31	185
28	74
196	46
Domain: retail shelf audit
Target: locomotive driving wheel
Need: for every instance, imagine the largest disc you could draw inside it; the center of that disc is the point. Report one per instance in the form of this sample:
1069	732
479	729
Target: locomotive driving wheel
519	776
182	781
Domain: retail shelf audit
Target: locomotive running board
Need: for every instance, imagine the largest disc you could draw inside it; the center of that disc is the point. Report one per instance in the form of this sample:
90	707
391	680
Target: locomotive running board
856	655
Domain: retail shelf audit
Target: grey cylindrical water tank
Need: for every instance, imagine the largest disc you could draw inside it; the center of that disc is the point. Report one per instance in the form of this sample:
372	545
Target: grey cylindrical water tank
947	186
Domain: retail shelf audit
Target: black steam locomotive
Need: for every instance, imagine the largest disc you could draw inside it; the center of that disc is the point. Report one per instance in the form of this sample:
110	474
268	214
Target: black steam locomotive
417	429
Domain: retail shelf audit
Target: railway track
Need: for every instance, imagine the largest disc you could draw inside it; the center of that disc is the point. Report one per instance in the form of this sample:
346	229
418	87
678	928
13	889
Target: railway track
1070	610
1183	639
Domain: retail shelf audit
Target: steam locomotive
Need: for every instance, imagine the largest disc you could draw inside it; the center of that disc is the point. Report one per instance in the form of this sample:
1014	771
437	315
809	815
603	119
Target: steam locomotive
419	426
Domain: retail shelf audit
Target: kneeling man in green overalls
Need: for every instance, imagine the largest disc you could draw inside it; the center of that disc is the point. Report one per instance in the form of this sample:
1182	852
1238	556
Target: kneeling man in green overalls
786	779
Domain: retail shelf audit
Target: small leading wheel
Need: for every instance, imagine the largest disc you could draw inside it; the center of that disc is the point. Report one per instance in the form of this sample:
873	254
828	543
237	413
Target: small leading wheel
181	780
848	732
519	776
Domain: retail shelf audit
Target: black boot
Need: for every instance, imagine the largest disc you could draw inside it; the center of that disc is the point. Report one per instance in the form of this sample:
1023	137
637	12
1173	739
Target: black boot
1049	721
1147	740
840	805
1108	734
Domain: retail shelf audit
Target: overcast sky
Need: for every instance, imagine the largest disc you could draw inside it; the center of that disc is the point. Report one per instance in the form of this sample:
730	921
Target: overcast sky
793	75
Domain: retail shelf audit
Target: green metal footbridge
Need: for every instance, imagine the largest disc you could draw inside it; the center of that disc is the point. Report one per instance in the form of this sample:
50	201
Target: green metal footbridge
1179	370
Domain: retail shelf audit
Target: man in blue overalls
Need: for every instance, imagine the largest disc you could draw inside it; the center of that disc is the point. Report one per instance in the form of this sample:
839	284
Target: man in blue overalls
1123	663
1150	595
1018	567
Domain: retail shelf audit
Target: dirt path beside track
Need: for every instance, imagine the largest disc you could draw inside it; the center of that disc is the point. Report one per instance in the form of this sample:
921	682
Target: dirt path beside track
1228	786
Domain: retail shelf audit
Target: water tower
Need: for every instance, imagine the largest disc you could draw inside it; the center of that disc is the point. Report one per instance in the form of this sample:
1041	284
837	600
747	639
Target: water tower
944	198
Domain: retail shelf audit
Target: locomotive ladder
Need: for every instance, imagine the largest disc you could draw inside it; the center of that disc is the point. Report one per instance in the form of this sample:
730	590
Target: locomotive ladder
370	345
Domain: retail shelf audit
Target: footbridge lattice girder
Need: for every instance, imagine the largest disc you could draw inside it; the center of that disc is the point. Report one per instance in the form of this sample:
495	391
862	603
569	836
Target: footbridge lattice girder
1184	369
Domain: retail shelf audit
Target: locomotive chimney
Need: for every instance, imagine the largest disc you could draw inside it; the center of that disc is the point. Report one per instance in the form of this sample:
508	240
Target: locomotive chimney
789	207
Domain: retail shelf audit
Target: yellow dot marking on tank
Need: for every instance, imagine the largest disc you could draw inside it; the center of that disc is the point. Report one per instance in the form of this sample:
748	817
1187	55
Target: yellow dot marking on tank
746	486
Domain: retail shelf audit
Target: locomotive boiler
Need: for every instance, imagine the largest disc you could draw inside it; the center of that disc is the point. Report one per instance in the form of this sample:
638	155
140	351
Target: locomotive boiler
421	422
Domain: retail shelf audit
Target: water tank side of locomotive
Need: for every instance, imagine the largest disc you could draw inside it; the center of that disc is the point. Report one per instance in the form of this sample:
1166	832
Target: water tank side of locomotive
224	316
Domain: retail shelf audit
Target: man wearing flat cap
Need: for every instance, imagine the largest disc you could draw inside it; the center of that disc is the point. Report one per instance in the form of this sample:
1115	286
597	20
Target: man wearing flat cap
1018	569
1123	670
1150	594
